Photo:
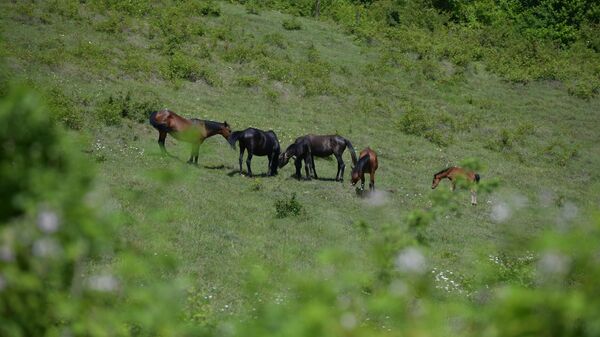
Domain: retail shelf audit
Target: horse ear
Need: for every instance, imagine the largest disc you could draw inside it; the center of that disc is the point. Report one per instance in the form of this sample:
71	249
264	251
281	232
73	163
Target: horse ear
225	122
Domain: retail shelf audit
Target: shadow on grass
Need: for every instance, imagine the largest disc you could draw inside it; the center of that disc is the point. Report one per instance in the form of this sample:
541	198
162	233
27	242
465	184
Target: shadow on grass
245	174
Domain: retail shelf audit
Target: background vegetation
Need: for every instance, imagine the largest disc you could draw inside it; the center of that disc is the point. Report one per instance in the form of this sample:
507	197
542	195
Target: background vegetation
101	235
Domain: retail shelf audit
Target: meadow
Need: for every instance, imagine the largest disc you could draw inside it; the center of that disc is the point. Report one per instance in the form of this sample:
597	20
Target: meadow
103	69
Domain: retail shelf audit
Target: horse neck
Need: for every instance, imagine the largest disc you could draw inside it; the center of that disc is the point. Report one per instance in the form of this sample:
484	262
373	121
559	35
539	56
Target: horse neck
443	174
212	128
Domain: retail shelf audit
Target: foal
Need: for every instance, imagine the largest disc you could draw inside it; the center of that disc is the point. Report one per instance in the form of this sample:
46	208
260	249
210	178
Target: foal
454	173
367	163
193	131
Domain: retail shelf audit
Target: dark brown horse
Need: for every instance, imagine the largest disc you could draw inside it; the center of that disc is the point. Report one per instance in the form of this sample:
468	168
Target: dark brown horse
455	173
259	143
307	147
193	131
367	163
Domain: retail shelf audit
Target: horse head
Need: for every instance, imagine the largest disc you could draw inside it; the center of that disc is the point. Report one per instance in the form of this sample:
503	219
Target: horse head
436	181
283	159
225	130
354	177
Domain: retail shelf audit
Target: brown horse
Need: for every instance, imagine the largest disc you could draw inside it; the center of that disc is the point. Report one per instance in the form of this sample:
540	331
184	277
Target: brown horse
453	174
193	131
367	162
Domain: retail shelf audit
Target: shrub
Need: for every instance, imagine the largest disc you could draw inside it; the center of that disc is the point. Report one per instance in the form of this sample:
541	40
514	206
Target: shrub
252	7
560	152
435	128
507	138
209	8
292	24
109	111
248	81
114	22
136	107
276	40
49	236
288	207
181	66
63	108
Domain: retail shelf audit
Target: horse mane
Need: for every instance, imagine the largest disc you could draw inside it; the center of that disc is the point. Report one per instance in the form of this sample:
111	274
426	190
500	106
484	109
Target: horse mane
212	125
360	165
444	170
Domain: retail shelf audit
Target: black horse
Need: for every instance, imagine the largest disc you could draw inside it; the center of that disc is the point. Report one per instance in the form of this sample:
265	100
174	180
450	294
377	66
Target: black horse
258	143
307	147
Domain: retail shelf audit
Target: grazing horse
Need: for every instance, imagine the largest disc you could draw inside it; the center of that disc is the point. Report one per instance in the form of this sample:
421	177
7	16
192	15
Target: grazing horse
258	143
367	163
193	131
307	147
454	173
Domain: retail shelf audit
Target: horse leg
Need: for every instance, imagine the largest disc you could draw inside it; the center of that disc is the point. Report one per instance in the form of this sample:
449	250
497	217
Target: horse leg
162	135
248	163
341	166
473	197
453	186
193	153
298	164
241	157
269	170
362	181
372	183
196	153
308	166
312	166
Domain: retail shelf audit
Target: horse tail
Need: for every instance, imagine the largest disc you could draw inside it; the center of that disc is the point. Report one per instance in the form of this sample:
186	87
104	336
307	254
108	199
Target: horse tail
352	152
477	177
234	137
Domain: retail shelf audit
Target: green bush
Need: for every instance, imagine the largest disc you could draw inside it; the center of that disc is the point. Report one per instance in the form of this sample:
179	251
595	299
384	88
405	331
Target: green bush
252	7
109	111
49	234
63	108
292	24
276	40
136	106
248	81
507	138
182	67
288	207
560	152
436	128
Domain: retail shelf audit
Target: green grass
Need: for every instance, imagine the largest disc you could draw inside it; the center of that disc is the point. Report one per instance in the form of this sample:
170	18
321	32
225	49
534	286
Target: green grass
250	71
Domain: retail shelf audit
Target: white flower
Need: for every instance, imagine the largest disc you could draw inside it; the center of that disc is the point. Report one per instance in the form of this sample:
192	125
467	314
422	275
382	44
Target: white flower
45	247
554	263
500	212
411	260
6	254
103	283
48	222
348	321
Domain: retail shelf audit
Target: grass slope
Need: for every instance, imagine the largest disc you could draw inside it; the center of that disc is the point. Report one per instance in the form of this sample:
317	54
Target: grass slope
541	143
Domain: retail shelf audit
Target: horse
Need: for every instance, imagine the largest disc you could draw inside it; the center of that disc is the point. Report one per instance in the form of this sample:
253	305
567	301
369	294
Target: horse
367	162
193	130
258	143
307	147
453	174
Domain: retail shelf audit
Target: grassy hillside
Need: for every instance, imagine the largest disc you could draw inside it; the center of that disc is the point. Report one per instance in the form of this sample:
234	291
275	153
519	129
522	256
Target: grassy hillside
103	70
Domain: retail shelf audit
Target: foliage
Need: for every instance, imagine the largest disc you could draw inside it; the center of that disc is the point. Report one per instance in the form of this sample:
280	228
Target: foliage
288	207
49	236
292	24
